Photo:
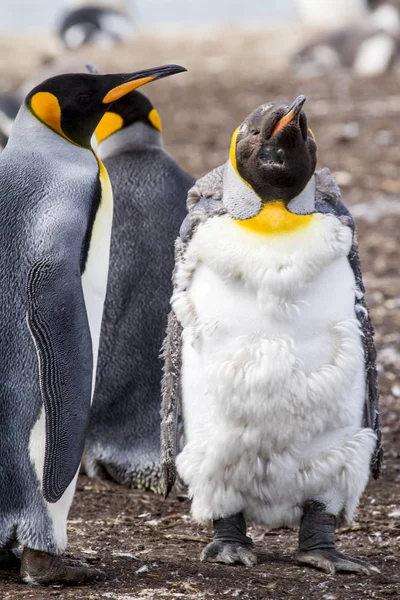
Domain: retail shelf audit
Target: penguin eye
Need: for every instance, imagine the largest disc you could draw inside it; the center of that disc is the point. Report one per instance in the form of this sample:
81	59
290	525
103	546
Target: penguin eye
254	132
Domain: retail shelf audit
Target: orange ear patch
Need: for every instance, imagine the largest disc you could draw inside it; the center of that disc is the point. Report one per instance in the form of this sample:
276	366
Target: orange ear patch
109	124
46	107
155	119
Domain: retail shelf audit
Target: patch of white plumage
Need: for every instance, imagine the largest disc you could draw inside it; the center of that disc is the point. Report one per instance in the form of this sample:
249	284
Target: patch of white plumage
273	380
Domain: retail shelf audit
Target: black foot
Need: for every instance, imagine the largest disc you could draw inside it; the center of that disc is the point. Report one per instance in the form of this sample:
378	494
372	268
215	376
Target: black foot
231	544
332	561
317	544
229	553
41	568
9	561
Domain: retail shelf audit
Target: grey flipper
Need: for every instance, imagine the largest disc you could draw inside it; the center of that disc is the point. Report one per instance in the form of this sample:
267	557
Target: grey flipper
202	206
170	403
328	201
211	185
58	322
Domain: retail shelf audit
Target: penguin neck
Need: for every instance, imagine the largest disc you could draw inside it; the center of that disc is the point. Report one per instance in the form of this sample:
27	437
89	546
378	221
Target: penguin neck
133	137
273	217
31	135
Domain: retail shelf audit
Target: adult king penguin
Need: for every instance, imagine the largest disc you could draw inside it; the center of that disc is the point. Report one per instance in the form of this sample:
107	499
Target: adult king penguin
56	211
276	363
150	193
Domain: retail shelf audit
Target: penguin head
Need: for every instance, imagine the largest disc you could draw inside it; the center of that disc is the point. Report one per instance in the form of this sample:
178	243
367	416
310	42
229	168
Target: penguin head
73	104
274	151
130	109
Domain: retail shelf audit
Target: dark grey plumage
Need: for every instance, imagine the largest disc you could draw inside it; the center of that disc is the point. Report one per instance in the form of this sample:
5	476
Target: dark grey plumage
149	205
204	202
41	194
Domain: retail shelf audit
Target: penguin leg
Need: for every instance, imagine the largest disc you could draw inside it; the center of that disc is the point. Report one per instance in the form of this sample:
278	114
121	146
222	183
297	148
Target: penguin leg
317	544
9	561
42	568
231	544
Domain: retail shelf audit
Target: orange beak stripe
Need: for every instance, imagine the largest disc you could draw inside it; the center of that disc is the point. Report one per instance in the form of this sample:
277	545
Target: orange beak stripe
286	119
123	89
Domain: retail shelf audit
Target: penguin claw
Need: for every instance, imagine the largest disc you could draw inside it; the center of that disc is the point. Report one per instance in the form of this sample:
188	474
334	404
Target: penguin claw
332	561
42	568
228	553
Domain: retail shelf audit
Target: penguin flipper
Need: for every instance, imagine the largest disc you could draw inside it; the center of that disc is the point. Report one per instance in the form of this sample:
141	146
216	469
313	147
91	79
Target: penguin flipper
202	205
58	323
328	201
204	200
210	185
170	401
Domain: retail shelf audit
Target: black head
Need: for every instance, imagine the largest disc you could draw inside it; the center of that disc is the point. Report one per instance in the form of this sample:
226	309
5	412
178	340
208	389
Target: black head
132	108
73	104
274	151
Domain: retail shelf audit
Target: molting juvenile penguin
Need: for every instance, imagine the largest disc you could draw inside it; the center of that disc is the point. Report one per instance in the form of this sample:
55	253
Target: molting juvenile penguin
271	348
150	193
56	212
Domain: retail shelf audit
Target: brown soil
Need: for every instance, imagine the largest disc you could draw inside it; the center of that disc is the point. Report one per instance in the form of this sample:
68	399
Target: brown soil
149	548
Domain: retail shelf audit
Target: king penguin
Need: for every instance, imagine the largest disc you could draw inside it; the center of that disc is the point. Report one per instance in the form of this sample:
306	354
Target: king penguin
56	213
270	348
150	192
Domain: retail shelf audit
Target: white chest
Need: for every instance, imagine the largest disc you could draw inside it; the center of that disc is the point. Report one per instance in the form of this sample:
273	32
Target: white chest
270	331
94	278
235	283
227	311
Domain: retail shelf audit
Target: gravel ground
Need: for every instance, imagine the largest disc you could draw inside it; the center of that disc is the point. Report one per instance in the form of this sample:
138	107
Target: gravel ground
148	547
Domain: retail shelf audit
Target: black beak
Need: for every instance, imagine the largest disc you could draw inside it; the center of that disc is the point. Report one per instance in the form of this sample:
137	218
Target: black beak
121	84
292	114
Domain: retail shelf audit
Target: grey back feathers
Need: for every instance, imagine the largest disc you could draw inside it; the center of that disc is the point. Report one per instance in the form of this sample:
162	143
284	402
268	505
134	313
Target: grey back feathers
149	205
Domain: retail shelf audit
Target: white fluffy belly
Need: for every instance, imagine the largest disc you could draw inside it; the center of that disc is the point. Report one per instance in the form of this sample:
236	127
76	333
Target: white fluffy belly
273	391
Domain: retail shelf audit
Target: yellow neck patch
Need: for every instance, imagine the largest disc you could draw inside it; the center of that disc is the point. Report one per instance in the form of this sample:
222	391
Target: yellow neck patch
155	119
274	218
109	124
46	108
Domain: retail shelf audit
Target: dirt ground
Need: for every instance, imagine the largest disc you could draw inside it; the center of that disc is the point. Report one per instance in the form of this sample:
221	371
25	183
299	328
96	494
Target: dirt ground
147	547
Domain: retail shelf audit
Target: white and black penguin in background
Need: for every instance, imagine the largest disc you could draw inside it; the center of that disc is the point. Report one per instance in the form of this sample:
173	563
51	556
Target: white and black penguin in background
270	350
103	24
55	220
150	191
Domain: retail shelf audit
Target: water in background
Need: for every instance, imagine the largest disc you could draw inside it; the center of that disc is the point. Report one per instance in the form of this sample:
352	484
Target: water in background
29	16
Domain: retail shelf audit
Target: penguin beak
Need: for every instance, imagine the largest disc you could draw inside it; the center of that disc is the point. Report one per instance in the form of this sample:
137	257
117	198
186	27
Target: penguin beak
131	81
292	115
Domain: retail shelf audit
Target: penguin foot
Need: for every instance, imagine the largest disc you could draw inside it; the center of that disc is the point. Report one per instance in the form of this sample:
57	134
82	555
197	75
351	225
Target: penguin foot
42	568
228	553
231	544
9	561
317	543
331	561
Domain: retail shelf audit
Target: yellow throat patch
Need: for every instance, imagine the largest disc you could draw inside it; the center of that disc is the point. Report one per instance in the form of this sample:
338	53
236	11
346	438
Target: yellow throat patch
275	218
